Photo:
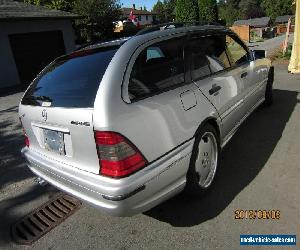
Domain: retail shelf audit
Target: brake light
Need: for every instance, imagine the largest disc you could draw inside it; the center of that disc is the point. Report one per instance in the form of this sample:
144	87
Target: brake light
117	156
26	139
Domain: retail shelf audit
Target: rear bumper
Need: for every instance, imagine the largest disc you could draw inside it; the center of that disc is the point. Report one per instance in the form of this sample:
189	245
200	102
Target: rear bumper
137	193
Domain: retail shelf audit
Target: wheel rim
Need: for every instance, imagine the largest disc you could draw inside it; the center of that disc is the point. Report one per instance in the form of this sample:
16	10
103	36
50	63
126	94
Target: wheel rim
206	162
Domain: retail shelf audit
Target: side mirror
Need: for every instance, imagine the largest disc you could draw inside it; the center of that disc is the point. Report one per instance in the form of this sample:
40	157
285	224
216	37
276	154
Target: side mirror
258	54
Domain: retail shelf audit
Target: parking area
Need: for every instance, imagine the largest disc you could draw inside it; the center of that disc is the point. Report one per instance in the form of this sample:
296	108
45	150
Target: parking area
259	170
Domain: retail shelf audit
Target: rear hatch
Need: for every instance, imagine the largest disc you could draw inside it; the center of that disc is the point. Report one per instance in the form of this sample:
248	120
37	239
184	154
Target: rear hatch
57	109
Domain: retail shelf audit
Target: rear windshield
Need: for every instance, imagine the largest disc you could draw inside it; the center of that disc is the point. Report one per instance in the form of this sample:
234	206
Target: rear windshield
70	81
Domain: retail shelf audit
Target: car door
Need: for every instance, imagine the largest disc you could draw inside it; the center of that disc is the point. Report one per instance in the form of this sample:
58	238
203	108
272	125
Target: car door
246	71
212	72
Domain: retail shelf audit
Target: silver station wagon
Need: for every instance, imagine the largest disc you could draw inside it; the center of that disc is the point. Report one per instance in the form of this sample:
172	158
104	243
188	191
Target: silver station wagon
127	124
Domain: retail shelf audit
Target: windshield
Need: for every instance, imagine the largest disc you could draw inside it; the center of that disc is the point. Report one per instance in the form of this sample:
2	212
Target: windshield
70	81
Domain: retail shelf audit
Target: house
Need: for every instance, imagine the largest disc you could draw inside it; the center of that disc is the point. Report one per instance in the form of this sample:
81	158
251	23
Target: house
31	37
261	22
281	24
144	17
283	19
258	27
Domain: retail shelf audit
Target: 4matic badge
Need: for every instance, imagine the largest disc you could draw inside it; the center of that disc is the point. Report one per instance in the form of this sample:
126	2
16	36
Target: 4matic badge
80	123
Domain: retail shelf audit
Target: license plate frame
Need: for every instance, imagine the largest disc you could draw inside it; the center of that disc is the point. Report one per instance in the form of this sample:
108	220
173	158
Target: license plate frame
54	141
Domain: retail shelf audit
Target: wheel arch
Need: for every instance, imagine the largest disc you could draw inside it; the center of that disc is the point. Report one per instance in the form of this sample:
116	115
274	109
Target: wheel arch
213	122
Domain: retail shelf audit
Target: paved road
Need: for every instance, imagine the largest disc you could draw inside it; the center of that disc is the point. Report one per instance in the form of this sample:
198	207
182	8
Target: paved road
271	44
259	169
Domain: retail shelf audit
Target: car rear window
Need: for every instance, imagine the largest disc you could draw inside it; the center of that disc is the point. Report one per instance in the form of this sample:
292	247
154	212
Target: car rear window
70	81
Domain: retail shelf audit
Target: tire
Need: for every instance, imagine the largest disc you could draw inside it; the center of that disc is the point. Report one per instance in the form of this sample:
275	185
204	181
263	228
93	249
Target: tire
269	89
204	161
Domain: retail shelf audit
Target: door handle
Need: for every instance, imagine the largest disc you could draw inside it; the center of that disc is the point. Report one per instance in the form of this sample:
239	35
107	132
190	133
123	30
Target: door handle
215	88
243	75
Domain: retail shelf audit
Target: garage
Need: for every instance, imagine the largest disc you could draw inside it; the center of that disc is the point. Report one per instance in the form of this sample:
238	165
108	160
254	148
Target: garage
33	51
30	38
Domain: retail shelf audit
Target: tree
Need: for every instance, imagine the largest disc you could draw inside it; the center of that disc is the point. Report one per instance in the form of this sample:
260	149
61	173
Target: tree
250	9
34	2
165	9
275	8
159	8
228	13
187	10
98	18
233	3
65	5
170	10
208	10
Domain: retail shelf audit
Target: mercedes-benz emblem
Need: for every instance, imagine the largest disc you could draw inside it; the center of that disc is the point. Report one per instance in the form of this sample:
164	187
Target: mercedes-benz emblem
44	114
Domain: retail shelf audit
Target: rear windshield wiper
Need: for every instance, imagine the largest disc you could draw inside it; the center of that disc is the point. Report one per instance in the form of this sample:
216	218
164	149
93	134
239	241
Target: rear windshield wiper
42	98
36	100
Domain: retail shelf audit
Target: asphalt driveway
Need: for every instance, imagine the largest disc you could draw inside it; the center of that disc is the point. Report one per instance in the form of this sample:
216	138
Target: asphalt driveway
270	45
259	169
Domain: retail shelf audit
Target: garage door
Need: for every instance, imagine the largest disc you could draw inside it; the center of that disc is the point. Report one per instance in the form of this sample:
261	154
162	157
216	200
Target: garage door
33	51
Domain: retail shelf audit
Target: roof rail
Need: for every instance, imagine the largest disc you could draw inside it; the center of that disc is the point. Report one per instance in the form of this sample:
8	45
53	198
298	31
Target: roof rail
174	25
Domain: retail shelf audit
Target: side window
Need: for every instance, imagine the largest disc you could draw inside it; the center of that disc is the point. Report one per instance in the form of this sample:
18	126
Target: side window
215	51
199	62
236	52
154	52
157	68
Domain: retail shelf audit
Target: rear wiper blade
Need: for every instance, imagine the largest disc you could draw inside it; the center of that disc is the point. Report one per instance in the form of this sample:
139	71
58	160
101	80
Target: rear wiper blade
37	100
42	98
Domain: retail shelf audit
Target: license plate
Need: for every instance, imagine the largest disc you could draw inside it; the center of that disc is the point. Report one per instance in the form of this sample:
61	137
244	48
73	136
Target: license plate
54	141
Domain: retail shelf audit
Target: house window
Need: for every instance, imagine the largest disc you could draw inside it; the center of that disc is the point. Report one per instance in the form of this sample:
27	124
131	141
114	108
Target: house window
146	17
139	18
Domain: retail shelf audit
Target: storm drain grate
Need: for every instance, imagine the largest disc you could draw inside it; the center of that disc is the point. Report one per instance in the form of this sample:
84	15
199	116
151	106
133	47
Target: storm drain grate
43	219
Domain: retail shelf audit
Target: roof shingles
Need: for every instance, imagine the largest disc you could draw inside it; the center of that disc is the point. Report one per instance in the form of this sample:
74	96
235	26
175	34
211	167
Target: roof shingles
18	10
283	19
255	22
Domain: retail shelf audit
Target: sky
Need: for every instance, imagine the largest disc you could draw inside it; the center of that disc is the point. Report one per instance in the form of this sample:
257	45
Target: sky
148	3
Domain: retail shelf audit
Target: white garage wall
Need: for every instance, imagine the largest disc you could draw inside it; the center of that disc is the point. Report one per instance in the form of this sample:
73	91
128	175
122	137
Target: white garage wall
8	70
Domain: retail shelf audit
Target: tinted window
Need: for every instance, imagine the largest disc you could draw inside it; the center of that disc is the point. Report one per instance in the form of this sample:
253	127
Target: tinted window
215	51
71	81
199	61
237	54
157	68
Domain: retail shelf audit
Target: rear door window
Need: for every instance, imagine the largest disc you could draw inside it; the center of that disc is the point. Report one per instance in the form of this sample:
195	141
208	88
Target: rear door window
158	68
71	81
216	54
199	61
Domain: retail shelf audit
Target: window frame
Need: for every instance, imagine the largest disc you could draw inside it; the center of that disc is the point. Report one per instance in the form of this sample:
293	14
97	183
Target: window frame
138	51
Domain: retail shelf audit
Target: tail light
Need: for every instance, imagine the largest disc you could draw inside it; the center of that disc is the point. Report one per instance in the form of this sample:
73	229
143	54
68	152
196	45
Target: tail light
26	139
117	156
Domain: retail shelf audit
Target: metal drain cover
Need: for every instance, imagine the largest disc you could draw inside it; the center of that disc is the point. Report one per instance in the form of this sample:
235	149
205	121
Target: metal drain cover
44	219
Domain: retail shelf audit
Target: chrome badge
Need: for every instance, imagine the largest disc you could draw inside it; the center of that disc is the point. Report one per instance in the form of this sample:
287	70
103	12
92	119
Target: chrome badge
44	114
